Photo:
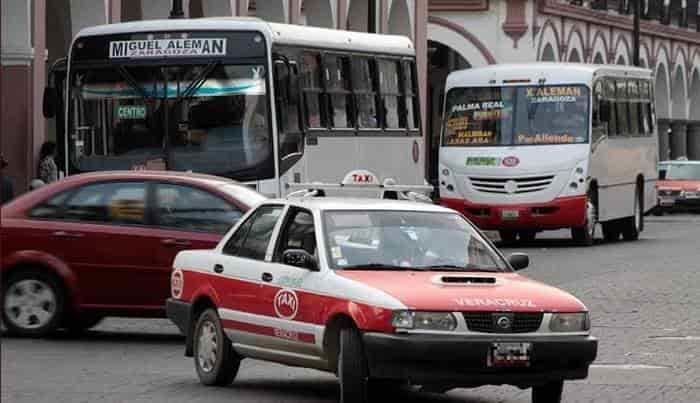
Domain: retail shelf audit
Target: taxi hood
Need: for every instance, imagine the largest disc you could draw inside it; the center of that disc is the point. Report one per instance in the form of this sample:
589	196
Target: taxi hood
464	291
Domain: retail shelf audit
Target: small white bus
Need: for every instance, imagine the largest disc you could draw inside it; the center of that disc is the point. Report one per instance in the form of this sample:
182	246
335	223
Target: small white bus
271	105
544	146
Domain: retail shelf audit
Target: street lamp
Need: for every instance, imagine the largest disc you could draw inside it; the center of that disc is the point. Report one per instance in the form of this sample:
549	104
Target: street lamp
635	32
176	10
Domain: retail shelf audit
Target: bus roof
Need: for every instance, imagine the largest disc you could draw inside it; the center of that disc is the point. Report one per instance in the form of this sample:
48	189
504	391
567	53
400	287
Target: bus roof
552	73
294	35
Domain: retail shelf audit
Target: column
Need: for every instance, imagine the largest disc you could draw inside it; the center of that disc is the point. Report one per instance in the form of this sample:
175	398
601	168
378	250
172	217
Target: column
679	139
694	140
663	126
16	96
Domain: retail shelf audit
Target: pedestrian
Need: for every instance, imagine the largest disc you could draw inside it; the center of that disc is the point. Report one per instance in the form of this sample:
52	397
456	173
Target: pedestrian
7	191
48	171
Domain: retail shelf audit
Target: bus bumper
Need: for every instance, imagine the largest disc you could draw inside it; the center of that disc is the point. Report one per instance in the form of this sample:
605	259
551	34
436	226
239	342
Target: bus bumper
562	212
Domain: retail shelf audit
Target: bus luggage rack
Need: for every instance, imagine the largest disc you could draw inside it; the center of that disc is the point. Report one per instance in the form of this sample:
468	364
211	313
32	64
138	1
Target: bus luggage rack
388	191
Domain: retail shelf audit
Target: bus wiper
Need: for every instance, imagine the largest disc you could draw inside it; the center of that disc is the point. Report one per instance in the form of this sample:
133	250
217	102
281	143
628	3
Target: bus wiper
132	82
197	83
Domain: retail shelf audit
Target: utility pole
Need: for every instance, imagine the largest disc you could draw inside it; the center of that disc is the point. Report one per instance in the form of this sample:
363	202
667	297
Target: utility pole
372	16
176	10
635	32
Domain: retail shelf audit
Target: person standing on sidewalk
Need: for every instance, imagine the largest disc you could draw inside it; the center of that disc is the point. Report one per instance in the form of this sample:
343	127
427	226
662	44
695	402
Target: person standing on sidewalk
7	192
48	170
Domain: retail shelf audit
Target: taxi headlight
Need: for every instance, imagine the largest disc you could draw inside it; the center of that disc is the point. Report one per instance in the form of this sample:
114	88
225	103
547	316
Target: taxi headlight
410	320
570	322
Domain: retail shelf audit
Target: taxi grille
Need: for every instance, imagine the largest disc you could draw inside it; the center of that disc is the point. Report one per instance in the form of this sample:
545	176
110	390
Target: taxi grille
485	322
522	185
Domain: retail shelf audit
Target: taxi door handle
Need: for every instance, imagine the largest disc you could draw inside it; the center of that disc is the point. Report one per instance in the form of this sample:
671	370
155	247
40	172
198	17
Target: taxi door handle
267	277
218	268
65	234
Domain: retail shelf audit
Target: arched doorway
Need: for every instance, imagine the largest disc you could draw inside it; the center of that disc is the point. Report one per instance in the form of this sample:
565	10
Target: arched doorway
399	18
598	59
318	13
548	54
441	61
574	57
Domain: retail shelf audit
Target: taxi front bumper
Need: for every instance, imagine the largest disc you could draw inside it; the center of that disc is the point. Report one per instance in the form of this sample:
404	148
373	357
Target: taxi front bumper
458	361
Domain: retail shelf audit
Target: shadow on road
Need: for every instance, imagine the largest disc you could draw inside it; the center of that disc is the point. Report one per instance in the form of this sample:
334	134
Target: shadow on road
556	243
310	390
112	336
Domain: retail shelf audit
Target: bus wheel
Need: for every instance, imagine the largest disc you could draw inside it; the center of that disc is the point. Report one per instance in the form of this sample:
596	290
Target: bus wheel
585	235
507	237
633	225
611	231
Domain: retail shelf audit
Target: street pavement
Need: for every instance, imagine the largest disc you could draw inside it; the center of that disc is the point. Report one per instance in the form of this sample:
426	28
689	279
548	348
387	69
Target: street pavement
643	297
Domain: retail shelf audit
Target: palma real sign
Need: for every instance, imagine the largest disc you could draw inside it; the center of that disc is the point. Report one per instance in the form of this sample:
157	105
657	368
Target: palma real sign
176	47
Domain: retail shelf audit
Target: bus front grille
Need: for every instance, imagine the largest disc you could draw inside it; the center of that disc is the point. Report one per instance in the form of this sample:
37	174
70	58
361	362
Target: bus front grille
520	185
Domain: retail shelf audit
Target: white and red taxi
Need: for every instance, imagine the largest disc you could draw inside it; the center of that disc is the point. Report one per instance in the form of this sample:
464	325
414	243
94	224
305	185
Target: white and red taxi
375	291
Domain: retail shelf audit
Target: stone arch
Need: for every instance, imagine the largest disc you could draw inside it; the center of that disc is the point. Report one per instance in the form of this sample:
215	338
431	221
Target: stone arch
462	41
319	13
574	56
548	54
549	37
575	45
644	55
272	10
661	91
679	97
694	92
662	52
400	19
622	50
600	48
357	16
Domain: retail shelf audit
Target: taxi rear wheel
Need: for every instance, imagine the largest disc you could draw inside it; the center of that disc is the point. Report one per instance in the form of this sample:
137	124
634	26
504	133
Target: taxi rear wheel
548	393
352	367
215	359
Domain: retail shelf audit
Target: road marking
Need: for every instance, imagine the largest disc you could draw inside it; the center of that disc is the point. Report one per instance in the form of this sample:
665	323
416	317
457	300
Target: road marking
685	338
628	366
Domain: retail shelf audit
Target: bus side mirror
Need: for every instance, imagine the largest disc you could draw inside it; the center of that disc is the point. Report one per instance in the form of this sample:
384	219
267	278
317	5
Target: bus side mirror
604	111
50	102
293	81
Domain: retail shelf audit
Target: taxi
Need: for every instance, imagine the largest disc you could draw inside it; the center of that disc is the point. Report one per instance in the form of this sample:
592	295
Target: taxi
379	292
678	186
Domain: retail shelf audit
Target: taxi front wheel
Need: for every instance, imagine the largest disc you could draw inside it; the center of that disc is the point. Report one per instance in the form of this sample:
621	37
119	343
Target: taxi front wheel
548	393
215	359
352	367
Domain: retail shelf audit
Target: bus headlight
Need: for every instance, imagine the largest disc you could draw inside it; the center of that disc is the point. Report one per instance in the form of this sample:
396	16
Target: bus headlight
414	320
570	322
577	179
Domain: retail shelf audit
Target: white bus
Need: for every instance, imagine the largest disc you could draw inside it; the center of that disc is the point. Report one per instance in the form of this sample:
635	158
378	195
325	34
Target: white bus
545	146
267	104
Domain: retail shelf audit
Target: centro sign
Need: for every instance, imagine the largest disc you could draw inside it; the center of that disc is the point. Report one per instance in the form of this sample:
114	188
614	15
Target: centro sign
286	303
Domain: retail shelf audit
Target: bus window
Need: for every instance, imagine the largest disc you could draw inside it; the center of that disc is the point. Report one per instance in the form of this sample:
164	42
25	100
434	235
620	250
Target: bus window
409	88
645	108
288	109
312	89
621	110
600	127
609	95
338	89
389	88
364	78
634	106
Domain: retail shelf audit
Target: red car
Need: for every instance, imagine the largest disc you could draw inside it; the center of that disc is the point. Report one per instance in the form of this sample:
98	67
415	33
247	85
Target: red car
103	244
678	186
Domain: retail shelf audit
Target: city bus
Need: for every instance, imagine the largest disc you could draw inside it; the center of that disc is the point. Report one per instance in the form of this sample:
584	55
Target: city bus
270	105
546	146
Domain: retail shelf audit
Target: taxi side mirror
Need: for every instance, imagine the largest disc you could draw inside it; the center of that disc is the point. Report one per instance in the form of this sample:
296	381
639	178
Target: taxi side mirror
662	174
300	258
518	261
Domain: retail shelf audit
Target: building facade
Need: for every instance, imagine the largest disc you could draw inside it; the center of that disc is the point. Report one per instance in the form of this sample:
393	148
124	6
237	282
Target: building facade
448	35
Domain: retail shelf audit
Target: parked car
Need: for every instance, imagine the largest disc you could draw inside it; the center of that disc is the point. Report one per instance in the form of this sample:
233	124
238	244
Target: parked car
103	244
380	292
678	186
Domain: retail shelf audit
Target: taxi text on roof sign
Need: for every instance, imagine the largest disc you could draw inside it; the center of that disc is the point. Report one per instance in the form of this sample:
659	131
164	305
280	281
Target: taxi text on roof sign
167	47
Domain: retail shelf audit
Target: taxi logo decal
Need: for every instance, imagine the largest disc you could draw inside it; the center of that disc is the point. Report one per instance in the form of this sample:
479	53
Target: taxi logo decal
496	302
176	283
286	303
510	161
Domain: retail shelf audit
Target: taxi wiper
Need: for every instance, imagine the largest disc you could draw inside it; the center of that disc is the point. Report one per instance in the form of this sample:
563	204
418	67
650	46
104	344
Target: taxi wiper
376	266
452	267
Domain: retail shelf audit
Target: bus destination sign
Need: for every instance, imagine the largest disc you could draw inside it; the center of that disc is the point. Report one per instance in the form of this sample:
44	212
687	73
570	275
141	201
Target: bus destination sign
176	47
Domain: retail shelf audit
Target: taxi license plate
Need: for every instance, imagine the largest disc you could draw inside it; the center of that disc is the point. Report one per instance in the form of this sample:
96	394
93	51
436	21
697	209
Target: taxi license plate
510	214
509	355
667	202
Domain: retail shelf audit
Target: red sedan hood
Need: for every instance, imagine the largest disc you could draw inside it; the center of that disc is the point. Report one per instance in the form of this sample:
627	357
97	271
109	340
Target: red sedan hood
449	291
679	185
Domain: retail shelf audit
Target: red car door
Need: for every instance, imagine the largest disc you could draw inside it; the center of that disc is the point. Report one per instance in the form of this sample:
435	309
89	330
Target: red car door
186	217
108	244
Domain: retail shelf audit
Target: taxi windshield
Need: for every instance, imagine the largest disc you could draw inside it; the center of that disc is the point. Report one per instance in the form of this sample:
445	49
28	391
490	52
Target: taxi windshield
686	172
406	240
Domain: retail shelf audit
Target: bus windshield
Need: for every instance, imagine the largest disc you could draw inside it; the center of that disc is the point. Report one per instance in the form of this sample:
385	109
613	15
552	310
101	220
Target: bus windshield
519	115
209	118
